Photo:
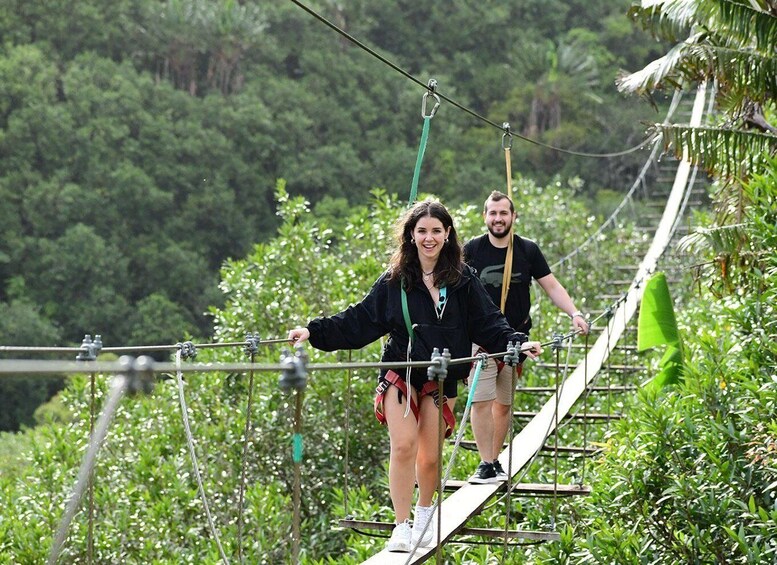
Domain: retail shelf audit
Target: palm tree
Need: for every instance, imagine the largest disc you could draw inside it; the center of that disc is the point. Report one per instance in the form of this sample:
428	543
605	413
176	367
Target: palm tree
569	69
731	42
193	38
233	29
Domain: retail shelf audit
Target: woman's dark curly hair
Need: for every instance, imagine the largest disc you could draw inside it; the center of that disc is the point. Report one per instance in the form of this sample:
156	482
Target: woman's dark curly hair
404	264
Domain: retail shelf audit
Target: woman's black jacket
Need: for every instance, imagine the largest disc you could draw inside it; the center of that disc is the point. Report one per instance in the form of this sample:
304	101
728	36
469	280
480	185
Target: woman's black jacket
470	316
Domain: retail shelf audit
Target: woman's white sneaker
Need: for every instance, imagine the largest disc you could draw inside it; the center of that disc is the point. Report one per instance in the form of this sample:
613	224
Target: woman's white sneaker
422	520
400	538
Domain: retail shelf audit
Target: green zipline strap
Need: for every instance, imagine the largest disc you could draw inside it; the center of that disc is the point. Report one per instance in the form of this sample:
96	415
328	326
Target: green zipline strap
297	448
473	385
406	312
419	160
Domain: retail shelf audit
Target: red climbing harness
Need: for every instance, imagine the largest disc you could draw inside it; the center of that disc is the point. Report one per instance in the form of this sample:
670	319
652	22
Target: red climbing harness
429	389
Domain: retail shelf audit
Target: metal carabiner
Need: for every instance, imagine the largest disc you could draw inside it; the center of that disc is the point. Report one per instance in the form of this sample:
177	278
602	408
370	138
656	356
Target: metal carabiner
507	135
431	86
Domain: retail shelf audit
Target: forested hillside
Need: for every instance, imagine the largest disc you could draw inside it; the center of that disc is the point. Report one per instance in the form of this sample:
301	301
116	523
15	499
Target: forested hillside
163	159
142	140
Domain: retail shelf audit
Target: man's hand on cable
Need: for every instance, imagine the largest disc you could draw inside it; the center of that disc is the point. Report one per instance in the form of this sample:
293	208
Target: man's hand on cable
579	322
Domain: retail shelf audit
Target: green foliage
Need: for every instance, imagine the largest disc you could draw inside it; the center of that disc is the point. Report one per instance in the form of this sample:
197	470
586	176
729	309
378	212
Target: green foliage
12	455
159	320
144	482
20	320
691	475
657	326
682	471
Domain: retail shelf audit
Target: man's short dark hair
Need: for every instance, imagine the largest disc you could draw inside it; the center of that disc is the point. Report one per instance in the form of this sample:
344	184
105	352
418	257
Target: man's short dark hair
496	196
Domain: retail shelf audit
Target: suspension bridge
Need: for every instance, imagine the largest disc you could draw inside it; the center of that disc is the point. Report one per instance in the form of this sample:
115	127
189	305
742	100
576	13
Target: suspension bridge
601	369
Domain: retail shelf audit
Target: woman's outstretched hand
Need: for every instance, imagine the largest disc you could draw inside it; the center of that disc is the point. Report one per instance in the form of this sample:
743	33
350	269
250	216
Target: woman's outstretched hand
531	349
298	335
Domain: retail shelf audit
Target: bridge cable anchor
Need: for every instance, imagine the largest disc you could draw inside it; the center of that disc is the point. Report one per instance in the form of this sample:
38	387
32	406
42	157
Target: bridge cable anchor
252	343
89	348
438	370
295	373
558	340
513	355
188	349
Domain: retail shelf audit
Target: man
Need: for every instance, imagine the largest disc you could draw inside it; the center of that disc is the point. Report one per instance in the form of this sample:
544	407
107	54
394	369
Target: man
487	254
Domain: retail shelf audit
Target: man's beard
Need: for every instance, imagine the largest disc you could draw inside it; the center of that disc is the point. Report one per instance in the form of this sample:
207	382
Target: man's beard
501	235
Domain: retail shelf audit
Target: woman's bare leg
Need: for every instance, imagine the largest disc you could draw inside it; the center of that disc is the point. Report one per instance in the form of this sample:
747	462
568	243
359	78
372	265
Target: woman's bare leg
429	436
403	436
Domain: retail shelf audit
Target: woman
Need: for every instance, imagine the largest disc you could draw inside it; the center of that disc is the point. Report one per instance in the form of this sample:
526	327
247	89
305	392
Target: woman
446	307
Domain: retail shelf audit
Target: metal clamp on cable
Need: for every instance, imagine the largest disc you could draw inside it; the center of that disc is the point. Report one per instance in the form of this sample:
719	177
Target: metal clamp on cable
513	355
507	136
188	350
432	86
295	372
89	349
139	373
608	313
558	340
483	357
438	370
252	343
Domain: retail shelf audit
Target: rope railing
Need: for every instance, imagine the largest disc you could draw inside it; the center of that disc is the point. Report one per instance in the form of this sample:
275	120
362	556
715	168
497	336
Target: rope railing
33	367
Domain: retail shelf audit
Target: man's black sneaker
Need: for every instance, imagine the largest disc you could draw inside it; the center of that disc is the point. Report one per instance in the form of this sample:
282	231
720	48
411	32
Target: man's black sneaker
485	474
500	473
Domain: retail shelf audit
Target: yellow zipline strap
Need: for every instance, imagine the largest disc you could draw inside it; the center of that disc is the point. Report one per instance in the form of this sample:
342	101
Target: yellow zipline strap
507	143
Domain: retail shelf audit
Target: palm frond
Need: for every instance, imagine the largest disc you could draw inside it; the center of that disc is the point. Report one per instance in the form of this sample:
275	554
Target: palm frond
714	241
657	74
746	23
740	73
682	12
745	73
726	153
664	19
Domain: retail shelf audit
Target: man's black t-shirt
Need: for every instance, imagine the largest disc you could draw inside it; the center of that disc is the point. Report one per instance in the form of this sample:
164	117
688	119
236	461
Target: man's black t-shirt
489	262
